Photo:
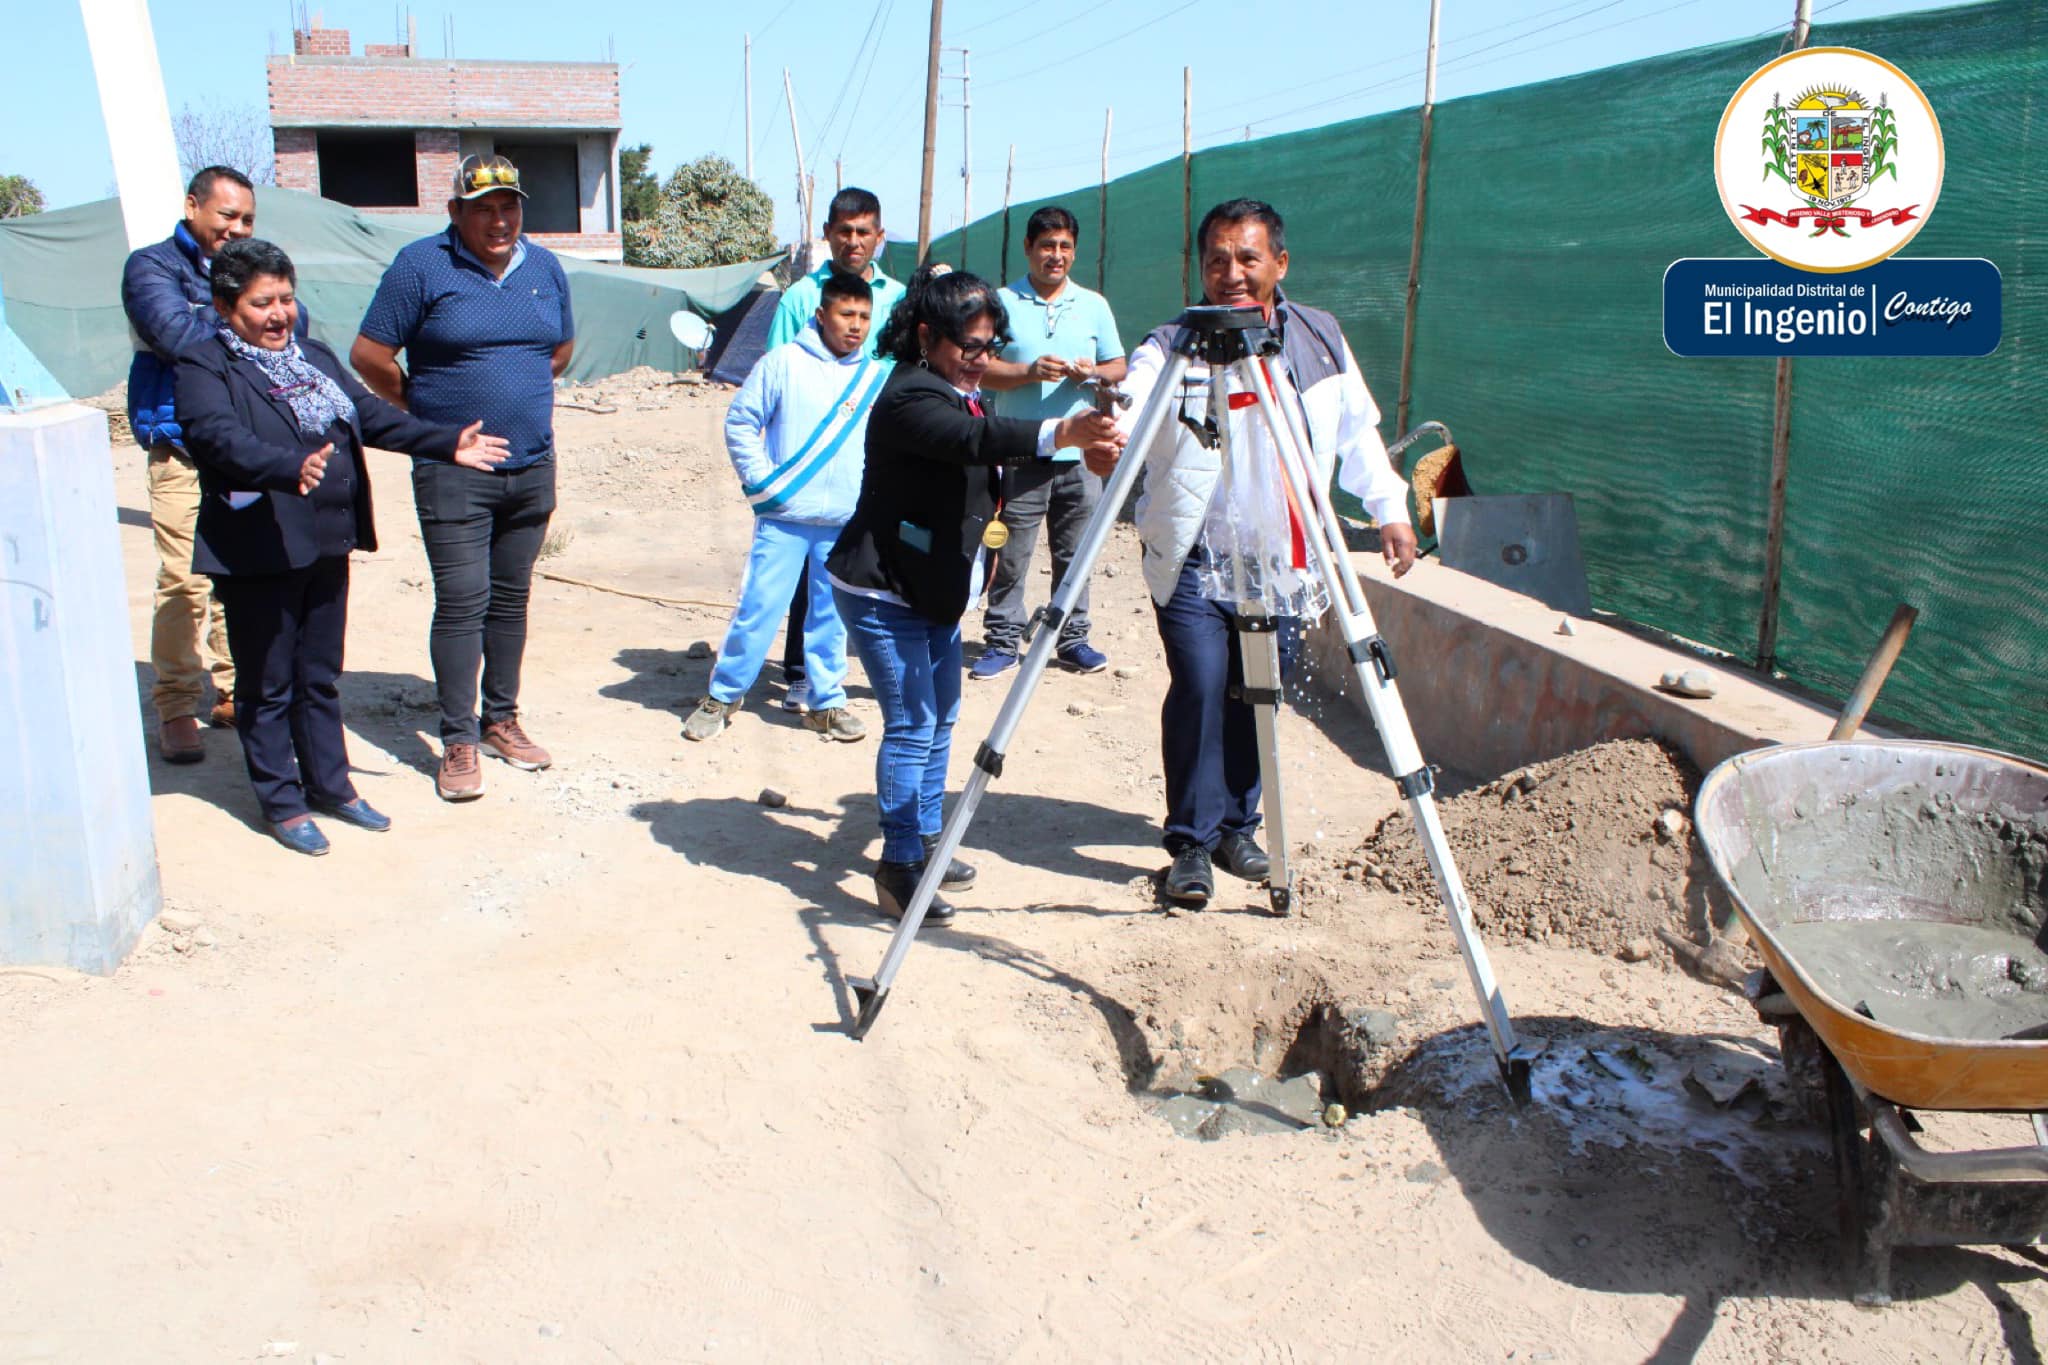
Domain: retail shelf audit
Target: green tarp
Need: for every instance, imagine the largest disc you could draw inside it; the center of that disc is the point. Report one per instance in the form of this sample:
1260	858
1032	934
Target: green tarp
61	273
1553	211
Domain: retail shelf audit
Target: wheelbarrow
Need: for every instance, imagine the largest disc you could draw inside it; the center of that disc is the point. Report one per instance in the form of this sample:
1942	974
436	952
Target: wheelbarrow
1897	892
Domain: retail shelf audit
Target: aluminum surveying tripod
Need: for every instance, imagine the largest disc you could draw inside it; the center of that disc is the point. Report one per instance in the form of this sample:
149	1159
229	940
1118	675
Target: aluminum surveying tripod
1234	343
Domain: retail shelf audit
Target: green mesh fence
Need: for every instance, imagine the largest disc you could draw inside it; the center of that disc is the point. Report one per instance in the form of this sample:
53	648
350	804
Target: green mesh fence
1553	212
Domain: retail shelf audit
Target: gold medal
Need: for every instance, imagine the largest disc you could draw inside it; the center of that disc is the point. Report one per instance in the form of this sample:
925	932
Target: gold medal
995	535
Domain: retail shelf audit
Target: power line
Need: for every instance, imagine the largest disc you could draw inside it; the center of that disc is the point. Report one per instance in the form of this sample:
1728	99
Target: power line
1037	23
832	114
1097	46
1466	57
853	118
778	14
1348	74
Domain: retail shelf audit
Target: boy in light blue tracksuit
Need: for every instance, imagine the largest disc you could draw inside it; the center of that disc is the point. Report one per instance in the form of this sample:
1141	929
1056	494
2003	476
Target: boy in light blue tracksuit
797	433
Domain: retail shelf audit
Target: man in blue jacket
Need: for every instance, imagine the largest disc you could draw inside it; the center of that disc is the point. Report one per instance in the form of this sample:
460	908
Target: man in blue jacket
168	296
797	433
854	237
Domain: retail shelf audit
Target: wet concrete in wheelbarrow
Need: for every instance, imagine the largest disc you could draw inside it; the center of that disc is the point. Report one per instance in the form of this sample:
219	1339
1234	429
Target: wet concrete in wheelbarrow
1920	913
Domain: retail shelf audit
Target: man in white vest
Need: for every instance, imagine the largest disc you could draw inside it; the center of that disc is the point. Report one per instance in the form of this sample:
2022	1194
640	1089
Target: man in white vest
1190	531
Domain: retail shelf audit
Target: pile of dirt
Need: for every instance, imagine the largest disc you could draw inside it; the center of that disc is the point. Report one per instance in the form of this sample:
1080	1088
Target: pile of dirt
1592	850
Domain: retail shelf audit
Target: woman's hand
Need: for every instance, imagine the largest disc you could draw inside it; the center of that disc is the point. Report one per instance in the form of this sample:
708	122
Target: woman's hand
1088	428
474	450
1100	442
314	469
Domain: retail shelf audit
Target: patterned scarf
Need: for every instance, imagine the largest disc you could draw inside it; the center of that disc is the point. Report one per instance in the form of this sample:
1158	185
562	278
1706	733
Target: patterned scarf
317	401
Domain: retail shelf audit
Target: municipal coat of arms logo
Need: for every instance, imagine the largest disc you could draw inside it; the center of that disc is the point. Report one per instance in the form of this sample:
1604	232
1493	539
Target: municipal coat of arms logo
1828	159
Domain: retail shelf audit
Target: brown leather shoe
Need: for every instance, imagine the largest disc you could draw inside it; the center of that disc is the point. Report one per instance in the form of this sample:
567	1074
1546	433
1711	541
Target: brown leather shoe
178	740
462	775
504	739
222	717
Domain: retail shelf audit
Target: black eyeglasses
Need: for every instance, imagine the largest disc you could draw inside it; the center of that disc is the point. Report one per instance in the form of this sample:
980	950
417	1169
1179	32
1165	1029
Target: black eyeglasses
975	350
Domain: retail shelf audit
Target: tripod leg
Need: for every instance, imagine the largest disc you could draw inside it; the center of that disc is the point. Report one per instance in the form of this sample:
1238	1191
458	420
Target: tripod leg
1259	646
1373	664
871	993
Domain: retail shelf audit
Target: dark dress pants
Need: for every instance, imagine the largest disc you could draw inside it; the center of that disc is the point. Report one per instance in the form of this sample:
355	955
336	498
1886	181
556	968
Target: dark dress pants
285	632
1208	740
483	531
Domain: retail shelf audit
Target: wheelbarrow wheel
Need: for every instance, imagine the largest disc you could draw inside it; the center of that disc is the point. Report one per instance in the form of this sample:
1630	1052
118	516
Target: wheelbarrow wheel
1806	1063
1860	1173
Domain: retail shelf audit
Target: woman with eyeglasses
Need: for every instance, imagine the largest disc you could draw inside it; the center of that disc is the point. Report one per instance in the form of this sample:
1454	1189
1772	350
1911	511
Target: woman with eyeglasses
277	429
916	552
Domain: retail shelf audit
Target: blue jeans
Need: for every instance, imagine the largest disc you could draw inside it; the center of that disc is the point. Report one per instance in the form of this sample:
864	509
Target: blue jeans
914	667
1208	740
776	562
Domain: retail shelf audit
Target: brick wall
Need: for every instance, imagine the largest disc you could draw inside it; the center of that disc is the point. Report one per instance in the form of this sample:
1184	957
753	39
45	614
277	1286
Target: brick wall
343	91
436	152
594	246
385	50
320	42
298	159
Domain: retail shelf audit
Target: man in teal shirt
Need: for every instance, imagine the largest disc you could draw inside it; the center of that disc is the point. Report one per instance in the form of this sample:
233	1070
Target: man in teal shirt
1063	334
853	234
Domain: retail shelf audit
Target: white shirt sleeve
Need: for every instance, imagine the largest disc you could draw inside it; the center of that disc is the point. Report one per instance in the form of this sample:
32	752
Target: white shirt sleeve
1364	469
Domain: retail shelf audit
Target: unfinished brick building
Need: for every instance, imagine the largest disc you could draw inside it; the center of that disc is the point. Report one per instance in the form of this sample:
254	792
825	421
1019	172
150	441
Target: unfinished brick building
384	132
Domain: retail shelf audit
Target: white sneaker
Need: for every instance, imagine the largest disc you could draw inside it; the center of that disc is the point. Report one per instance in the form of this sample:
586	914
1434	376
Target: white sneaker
798	697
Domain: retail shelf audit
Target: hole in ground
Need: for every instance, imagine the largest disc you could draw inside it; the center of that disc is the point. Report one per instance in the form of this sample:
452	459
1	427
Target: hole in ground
1310	1063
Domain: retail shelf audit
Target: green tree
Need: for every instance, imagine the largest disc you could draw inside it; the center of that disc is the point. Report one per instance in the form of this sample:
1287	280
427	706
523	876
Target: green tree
639	191
709	214
19	197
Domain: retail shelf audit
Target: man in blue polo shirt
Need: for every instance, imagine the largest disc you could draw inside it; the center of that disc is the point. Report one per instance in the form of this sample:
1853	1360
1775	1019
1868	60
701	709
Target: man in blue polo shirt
1062	334
854	236
483	317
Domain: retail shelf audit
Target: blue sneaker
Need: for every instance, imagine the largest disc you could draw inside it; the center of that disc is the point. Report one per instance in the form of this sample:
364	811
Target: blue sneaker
1083	657
301	835
358	812
993	664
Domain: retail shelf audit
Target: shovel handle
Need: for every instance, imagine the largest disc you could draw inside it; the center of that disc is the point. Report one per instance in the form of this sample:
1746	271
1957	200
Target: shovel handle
1875	672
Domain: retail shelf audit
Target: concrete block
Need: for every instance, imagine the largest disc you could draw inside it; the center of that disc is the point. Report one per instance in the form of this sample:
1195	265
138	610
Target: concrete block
78	874
1490	685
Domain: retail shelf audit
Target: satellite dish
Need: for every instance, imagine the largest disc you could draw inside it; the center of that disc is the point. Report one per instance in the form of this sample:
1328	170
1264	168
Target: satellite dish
691	330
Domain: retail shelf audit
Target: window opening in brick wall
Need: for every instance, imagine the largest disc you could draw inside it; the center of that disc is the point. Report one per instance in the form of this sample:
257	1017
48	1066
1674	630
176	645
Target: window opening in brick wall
547	172
369	170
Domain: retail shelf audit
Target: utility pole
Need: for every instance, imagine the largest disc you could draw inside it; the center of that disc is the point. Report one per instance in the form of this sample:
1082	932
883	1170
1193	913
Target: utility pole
803	183
1781	455
838	174
1421	213
931	132
966	148
1102	208
1009	179
747	82
137	114
1187	176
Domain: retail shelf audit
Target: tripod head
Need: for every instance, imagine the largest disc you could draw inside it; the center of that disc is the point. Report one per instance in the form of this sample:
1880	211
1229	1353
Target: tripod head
1220	335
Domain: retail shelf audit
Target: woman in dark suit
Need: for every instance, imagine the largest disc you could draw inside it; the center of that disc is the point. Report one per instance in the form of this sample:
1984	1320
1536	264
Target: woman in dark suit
277	428
917	549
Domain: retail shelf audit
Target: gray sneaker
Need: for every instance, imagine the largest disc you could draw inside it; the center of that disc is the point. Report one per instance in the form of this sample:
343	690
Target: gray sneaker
711	716
836	722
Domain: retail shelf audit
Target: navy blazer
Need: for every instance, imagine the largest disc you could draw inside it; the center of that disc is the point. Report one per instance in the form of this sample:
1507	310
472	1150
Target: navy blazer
931	486
245	440
169	301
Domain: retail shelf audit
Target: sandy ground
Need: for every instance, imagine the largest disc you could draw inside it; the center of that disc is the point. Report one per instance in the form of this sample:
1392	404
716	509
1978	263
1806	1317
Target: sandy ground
562	1075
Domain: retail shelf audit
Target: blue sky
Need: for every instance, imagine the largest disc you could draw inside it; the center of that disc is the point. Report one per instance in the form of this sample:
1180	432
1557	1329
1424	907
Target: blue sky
1042	74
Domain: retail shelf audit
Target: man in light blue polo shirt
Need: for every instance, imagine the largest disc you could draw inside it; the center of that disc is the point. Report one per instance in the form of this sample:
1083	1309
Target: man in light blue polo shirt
853	234
1063	334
